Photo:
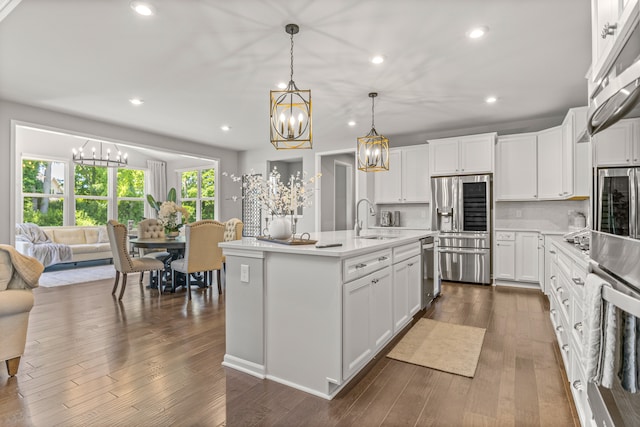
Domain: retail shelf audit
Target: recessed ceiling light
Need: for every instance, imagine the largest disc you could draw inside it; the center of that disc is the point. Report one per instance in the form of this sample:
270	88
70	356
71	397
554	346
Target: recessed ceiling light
490	99
378	59
282	85
476	33
136	101
225	128
351	123
143	8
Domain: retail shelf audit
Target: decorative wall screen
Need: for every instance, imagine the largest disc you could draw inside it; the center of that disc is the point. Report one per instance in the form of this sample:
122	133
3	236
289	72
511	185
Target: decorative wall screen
251	212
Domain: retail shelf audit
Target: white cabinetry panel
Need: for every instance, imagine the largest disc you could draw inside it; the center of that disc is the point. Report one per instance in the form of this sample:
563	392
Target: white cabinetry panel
550	165
516	167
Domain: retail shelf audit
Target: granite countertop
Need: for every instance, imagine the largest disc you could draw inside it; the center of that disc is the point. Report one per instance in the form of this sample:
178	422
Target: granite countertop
350	245
572	249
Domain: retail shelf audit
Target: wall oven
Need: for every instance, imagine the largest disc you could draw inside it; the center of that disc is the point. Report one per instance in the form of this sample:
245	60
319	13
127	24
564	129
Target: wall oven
618	190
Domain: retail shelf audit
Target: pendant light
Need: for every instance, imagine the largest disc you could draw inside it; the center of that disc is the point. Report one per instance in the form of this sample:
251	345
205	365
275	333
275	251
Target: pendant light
97	156
373	149
290	111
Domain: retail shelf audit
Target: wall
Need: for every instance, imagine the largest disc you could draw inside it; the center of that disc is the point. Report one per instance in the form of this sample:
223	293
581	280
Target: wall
11	113
327	199
416	215
543	215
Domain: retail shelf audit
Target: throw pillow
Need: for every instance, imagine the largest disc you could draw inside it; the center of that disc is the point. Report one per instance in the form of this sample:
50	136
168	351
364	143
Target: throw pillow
6	270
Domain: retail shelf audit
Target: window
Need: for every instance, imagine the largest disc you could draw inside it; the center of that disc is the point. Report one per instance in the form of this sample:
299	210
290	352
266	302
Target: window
130	195
43	191
197	193
91	185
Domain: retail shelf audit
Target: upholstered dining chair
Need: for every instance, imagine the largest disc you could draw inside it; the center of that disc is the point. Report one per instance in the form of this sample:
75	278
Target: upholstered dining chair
151	228
202	253
232	231
123	262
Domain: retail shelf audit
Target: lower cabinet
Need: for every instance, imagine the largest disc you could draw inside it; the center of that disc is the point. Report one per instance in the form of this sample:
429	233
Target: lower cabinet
367	320
516	256
406	291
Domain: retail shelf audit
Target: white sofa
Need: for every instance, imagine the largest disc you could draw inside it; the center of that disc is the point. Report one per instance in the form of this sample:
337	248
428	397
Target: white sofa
87	243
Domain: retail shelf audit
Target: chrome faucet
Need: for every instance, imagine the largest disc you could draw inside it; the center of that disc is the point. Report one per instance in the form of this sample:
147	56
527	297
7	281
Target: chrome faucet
372	212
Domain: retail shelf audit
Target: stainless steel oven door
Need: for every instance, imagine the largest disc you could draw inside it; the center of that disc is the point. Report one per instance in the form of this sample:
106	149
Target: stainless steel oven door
465	265
617	202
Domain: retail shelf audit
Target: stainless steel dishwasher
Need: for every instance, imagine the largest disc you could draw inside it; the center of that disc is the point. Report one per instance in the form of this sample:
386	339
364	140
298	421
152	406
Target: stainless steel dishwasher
430	273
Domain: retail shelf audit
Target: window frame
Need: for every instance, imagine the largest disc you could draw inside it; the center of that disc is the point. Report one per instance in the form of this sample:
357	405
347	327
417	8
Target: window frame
64	196
143	198
199	199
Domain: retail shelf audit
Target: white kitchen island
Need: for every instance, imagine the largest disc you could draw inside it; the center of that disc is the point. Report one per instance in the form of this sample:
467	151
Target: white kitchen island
310	317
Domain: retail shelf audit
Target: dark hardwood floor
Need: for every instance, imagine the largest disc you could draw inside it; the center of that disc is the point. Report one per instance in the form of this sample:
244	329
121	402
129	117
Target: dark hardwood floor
149	361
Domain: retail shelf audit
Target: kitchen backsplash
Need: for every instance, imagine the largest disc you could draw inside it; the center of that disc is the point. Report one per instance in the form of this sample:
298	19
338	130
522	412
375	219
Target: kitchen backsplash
413	215
543	215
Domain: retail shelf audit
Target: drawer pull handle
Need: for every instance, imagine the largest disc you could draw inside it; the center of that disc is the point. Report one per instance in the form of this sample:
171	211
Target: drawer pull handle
608	30
553	277
578	281
565	302
374	281
554	311
361	265
383	258
565	347
559	289
577	384
552	252
578	327
559	328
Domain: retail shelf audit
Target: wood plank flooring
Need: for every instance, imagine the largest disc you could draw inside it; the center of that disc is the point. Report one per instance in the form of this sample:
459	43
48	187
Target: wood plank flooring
156	361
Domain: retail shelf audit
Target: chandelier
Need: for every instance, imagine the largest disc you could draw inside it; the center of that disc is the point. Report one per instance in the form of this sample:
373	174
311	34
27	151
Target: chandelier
100	157
373	149
290	111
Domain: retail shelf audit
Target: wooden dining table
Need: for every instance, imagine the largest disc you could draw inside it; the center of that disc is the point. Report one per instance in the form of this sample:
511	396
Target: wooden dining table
175	247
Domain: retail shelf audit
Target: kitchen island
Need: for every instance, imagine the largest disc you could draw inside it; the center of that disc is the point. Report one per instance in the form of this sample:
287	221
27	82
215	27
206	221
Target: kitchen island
310	317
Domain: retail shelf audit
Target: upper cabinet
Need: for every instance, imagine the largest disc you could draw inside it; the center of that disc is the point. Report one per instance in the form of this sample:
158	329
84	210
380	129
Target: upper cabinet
618	145
407	180
462	155
611	25
547	165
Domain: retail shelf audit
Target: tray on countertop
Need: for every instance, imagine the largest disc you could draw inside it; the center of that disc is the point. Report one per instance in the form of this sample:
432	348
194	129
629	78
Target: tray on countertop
289	241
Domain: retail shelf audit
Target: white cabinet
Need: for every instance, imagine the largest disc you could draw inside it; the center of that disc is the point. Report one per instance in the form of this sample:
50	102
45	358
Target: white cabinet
517	256
516	167
612	22
505	259
527	267
550	164
407	180
618	145
576	164
462	155
367	319
406	291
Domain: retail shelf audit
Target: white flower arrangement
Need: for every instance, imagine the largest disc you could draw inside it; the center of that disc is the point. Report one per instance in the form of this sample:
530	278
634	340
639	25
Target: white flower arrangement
168	216
275	196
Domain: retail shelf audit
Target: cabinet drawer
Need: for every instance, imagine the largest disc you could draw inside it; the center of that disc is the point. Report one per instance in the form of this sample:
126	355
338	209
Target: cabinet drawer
400	253
505	235
577	326
565	264
353	268
579	277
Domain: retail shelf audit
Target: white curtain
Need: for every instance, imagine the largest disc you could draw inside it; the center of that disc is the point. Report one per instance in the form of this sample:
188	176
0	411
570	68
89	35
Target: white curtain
157	185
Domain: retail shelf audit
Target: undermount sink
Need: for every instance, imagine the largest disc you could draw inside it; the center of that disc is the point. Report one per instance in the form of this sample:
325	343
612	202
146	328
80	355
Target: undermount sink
376	237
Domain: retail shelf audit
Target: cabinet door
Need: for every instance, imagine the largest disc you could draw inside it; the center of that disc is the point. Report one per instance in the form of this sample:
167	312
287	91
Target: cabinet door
415	174
476	153
527	257
550	164
516	168
381	311
635	139
388	185
400	295
567	155
505	260
356	339
443	157
613	145
415	284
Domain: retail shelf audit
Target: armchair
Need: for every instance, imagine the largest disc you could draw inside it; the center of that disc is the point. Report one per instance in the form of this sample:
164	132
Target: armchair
18	275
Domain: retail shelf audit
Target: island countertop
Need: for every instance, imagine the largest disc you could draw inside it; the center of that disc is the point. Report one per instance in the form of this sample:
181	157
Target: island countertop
350	244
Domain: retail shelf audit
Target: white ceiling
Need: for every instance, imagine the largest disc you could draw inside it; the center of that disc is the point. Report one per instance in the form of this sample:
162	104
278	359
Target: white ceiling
199	64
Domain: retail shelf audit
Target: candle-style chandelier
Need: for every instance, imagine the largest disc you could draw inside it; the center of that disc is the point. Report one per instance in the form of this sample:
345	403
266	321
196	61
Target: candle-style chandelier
290	111
98	156
373	149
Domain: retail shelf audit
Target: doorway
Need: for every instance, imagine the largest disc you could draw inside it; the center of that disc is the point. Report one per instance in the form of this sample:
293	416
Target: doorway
343	198
335	201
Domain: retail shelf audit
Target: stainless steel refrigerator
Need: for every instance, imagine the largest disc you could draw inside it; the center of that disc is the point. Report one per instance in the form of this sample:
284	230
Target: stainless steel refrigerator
461	212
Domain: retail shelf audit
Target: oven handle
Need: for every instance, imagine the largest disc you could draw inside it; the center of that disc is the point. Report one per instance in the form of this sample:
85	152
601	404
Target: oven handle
464	251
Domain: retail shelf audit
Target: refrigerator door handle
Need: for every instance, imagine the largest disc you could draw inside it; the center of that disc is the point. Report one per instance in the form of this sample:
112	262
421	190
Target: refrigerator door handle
464	251
633	199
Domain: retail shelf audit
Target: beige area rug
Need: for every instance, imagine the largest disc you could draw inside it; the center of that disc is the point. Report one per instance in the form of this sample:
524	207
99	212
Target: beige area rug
442	346
77	275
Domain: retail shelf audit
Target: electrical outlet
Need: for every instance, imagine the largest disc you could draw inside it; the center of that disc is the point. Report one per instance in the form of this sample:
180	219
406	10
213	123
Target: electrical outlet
244	273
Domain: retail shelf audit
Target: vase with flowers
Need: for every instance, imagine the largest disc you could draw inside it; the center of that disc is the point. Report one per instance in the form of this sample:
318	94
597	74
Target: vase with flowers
279	199
173	217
